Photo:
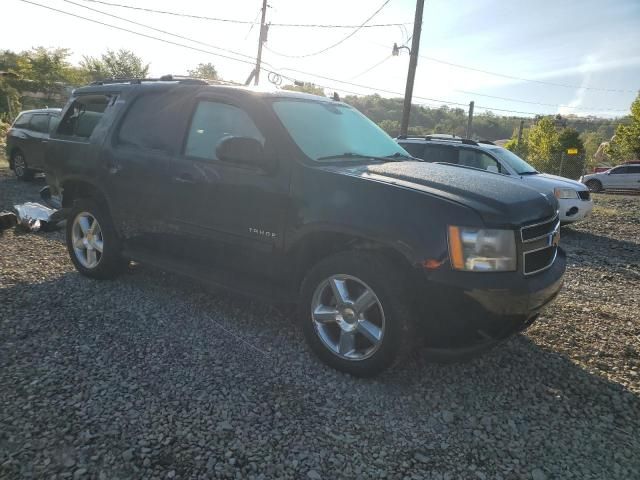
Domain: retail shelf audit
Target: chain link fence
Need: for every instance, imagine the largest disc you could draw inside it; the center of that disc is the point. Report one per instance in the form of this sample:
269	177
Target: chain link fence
562	164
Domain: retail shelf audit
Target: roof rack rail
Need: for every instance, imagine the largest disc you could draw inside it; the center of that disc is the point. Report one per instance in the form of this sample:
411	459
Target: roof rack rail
164	78
443	138
486	142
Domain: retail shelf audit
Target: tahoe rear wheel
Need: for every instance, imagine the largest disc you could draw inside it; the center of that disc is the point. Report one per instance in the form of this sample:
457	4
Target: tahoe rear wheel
20	166
355	313
92	241
594	185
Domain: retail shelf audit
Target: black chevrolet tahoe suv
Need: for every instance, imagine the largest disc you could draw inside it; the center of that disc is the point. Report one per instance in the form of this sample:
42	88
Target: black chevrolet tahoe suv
301	199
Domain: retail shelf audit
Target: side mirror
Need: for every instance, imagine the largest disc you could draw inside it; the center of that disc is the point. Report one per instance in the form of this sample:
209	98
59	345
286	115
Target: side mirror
243	150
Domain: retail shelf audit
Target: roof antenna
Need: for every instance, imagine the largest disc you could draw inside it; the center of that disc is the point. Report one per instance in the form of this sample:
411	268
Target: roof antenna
336	97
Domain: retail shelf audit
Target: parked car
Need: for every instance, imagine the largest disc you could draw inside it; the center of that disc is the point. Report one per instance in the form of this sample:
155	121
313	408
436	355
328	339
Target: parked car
623	177
26	140
301	199
573	197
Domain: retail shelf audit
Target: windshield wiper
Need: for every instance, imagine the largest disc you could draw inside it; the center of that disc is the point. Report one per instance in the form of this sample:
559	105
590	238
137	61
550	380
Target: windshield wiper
529	172
352	155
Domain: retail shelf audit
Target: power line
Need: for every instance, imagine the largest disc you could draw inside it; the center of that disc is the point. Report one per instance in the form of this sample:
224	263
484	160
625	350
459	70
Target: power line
333	45
272	69
377	64
544	104
246	22
158	29
513	77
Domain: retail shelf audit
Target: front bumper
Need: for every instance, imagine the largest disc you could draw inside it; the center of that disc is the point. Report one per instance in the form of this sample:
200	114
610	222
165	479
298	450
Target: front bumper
462	310
572	210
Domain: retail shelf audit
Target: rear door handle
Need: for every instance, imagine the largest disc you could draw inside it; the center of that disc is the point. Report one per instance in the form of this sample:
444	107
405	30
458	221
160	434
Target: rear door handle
184	178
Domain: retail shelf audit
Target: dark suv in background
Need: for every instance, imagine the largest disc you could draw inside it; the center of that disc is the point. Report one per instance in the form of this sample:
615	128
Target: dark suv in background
301	199
26	141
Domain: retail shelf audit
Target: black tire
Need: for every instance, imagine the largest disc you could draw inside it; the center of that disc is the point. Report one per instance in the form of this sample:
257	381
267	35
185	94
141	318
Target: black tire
22	170
594	185
111	263
389	286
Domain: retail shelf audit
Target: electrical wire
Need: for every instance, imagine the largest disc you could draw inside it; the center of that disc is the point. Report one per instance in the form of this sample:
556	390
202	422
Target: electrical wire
377	64
270	68
246	22
159	30
339	42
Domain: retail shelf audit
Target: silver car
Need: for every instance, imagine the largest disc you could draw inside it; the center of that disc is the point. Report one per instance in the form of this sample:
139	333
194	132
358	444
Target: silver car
623	177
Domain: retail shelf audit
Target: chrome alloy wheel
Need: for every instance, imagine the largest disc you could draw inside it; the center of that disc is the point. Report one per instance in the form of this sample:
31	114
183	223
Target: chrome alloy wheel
19	165
348	317
86	236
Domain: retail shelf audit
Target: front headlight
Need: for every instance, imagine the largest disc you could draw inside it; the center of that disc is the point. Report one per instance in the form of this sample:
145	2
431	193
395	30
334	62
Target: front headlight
565	193
482	249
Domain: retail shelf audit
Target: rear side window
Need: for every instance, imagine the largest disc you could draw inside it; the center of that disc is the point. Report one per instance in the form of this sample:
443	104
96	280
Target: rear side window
22	121
635	169
414	149
155	121
83	116
477	159
213	121
437	153
40	123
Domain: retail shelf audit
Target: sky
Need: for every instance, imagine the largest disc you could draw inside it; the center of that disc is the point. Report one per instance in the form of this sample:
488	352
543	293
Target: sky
583	56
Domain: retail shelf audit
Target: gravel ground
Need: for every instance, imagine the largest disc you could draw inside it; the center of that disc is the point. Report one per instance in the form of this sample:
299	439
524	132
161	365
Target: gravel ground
155	376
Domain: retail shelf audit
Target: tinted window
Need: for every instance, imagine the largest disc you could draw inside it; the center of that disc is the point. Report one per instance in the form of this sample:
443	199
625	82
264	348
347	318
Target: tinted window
616	171
40	123
634	169
477	159
213	121
437	153
22	121
83	116
414	149
154	122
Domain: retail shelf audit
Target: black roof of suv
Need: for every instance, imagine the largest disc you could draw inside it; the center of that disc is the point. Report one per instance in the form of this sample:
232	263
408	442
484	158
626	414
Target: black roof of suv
300	198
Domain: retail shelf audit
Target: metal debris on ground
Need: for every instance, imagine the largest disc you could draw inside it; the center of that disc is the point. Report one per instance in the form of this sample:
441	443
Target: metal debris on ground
34	216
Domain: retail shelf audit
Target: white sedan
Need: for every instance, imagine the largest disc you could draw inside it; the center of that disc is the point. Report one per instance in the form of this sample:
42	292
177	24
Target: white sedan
623	177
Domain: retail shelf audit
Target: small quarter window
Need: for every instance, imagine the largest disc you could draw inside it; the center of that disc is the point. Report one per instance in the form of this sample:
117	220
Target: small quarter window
213	121
83	115
22	121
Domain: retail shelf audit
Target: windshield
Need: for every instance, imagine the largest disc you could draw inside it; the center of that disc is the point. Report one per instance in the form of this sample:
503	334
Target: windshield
514	161
328	130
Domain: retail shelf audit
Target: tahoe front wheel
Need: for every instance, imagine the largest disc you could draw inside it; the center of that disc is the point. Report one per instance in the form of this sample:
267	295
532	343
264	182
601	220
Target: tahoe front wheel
92	241
355	313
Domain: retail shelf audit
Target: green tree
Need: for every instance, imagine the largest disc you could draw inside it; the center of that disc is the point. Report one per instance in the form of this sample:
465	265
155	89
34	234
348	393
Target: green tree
392	127
625	145
206	71
112	64
306	88
570	138
591	142
543	143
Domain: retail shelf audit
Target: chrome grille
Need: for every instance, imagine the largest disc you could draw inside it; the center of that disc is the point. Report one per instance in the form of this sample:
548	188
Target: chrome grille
540	245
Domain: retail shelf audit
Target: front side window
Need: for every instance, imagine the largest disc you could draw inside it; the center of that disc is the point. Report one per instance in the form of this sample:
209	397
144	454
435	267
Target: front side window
83	115
22	121
214	121
329	129
414	149
514	161
619	170
40	123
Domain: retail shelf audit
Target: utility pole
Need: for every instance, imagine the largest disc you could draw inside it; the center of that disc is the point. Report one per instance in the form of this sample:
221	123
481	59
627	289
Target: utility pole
413	63
520	133
470	119
261	40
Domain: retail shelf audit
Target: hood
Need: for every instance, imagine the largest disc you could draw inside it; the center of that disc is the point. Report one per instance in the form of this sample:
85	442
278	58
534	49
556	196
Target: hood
545	182
498	199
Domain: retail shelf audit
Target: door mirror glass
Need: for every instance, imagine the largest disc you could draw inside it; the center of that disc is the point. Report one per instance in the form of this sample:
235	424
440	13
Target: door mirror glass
243	150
